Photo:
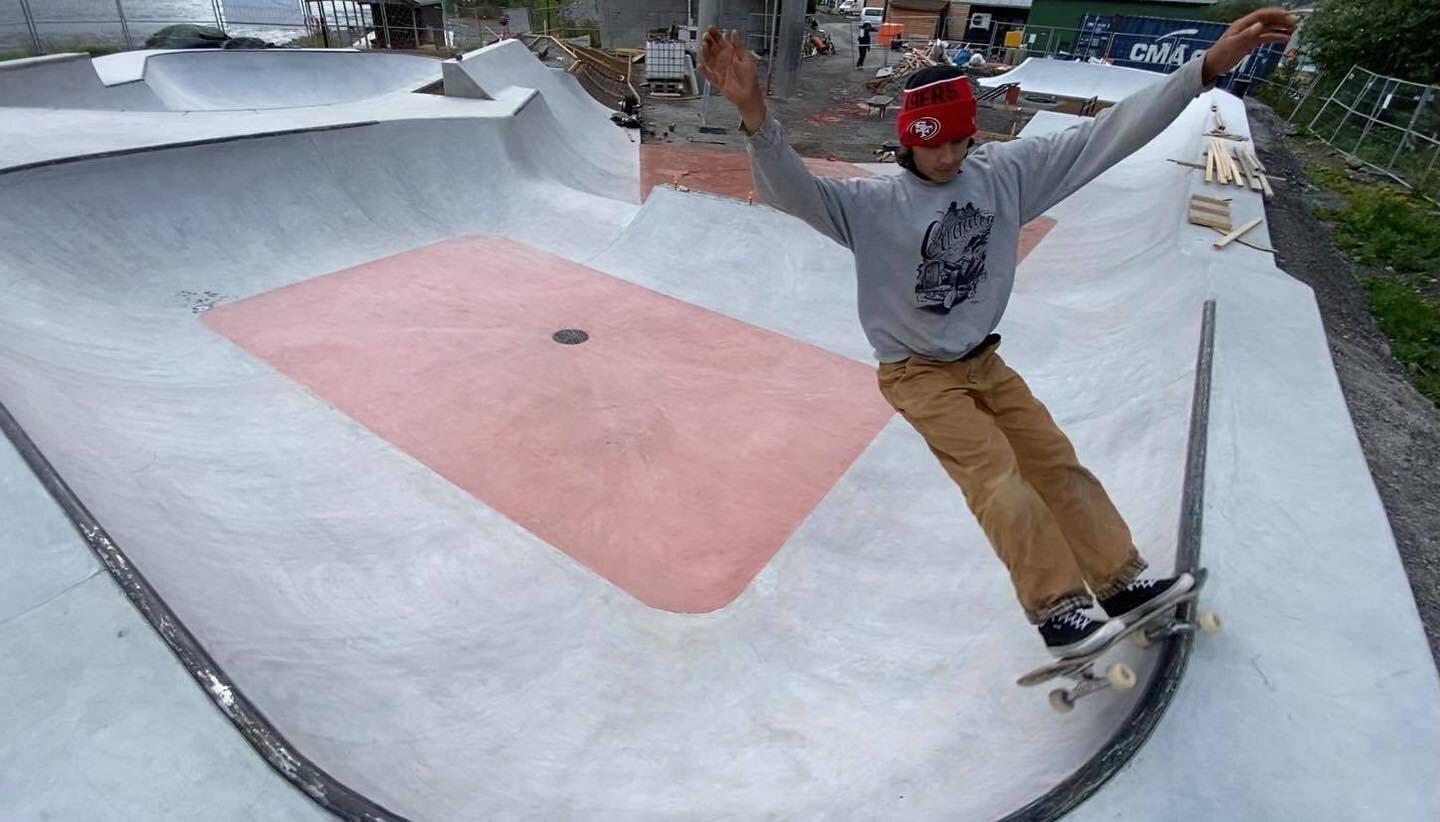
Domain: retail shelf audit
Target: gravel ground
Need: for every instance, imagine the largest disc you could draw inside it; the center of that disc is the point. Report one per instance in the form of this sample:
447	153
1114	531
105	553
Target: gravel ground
1399	429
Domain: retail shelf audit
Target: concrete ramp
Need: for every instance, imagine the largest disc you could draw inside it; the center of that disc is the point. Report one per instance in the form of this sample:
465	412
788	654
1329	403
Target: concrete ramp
489	493
210	80
1077	80
509	63
508	67
1047	122
68	81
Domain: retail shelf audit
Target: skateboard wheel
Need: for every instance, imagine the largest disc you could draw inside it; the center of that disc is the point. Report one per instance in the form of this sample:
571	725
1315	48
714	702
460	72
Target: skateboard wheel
1209	622
1060	700
1140	639
1121	676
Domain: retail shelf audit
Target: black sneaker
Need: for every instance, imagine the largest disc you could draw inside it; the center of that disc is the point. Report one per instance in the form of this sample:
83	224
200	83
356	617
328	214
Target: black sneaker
1145	595
1076	634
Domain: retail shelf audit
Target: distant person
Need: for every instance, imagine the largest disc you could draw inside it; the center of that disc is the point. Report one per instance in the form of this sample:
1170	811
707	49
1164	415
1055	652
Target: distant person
504	27
935	252
864	43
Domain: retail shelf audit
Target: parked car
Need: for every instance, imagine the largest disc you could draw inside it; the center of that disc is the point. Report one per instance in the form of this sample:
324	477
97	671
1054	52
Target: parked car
873	15
849	8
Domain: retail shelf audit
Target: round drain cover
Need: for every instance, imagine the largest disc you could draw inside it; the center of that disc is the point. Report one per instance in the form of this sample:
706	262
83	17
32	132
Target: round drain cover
570	336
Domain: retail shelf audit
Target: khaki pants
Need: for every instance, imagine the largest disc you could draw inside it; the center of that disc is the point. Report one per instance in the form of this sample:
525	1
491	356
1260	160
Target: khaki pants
1048	518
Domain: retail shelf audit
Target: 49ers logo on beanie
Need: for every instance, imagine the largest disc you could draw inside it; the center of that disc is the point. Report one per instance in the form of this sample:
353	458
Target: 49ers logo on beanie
937	113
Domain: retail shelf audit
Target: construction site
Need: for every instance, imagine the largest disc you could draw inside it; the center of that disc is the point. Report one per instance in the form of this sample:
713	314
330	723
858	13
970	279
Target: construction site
445	432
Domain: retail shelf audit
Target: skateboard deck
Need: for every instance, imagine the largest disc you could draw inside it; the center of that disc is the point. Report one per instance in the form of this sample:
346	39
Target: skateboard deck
1153	624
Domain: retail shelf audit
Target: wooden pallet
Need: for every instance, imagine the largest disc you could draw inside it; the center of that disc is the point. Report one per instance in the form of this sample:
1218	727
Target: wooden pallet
667	88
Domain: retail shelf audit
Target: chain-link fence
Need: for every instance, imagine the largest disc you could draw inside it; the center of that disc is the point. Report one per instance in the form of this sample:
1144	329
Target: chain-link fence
372	25
46	26
1389	124
473	25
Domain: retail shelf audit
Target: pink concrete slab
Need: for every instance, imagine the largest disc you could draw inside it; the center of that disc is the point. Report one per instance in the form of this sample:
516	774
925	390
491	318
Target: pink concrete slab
673	454
718	172
1032	233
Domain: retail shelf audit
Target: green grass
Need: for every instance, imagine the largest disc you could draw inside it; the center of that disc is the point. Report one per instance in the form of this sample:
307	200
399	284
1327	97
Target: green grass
1412	322
1380	226
1396	237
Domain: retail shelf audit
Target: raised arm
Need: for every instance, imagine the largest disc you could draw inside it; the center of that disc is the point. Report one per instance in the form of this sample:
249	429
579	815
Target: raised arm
1048	169
781	177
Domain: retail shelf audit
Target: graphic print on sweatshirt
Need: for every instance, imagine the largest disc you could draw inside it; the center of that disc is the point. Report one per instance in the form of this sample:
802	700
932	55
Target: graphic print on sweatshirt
953	257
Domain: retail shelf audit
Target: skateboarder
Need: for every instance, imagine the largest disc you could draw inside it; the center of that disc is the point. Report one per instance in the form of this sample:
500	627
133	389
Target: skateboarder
935	253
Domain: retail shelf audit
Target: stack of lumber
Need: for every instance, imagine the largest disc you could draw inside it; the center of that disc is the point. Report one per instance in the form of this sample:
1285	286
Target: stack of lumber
1235	165
895	78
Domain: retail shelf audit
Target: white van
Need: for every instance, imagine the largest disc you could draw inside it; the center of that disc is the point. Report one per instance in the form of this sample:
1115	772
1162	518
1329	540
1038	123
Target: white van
872	15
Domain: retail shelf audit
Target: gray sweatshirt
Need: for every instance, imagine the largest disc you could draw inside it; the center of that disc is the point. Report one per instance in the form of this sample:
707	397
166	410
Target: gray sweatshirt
935	263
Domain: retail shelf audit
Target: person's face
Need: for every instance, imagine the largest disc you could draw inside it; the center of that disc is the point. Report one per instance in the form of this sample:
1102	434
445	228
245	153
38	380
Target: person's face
941	163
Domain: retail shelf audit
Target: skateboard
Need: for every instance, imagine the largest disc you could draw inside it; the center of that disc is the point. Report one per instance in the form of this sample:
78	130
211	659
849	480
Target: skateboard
1143	631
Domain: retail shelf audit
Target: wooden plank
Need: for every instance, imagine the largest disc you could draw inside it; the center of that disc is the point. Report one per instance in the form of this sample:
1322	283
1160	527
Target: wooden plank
1209	166
1227	162
1251	171
1244	227
1243	166
1265	185
1185	163
1225	201
1246	170
1260	175
1219	161
1208	204
1210	208
1209	220
1242	240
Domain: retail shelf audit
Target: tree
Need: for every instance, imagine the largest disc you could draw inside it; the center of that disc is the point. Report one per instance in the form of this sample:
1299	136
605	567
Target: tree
1394	37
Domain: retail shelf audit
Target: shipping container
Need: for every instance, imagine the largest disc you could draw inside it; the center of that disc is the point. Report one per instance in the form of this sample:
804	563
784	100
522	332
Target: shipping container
1062	18
1164	44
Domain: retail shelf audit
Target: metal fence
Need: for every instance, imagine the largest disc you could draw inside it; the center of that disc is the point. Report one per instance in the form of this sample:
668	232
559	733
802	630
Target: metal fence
1389	124
1054	42
45	26
473	25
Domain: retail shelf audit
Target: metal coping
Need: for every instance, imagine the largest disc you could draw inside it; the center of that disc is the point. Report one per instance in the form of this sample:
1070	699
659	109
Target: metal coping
320	786
1117	752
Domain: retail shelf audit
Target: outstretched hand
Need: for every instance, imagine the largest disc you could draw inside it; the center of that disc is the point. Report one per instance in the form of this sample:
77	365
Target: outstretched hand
1269	25
728	66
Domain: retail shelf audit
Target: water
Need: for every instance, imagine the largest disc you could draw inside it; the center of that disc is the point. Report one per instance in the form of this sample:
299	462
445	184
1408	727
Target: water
59	21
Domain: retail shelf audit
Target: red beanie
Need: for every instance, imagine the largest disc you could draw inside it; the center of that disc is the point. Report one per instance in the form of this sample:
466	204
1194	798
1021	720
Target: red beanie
936	113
